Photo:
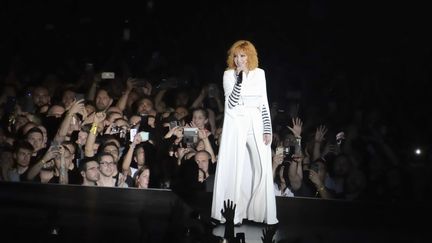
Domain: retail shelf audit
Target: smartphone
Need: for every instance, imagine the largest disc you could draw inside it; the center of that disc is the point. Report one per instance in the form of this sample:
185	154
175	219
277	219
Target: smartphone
107	75
173	124
144	136
132	133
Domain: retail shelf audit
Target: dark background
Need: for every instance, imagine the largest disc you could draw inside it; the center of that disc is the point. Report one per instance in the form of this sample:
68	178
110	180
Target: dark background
374	54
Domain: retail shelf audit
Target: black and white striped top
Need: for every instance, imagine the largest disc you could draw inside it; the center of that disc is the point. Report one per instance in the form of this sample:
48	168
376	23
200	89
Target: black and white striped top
233	101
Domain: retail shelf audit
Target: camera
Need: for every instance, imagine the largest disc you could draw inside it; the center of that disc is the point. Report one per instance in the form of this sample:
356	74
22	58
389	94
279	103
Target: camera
107	75
115	129
288	153
190	136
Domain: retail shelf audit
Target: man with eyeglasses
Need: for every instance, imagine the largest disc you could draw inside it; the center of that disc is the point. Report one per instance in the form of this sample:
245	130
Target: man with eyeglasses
107	169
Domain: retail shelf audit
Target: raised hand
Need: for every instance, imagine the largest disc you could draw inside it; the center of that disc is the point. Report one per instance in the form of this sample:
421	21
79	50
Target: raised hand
130	84
228	211
268	234
320	133
99	117
203	133
296	129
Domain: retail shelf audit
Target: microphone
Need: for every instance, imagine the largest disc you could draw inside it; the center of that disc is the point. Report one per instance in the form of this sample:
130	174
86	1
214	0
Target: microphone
240	77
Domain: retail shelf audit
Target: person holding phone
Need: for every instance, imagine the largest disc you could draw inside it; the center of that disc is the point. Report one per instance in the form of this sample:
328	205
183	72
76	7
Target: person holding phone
244	167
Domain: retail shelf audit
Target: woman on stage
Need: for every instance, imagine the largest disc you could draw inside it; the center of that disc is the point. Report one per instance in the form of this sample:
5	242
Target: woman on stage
244	167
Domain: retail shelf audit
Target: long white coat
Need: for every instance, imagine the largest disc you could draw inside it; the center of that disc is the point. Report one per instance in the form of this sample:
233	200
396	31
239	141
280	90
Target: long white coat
250	188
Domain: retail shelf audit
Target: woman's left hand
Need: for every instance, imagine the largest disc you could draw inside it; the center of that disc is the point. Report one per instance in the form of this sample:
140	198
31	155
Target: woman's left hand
267	139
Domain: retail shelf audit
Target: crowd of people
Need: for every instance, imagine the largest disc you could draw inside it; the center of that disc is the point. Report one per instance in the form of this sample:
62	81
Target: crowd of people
84	133
110	129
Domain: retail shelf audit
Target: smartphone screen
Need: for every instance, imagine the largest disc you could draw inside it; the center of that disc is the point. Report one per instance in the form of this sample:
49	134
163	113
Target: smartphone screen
133	132
144	136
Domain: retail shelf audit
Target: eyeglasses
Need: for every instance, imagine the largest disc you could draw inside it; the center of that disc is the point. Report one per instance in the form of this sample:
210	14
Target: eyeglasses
106	163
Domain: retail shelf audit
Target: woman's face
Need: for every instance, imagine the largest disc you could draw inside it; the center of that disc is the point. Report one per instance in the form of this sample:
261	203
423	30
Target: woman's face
199	119
140	156
143	179
240	59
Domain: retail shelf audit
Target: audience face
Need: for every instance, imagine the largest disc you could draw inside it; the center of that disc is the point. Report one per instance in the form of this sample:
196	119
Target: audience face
82	138
113	150
107	165
202	159
140	156
36	139
180	113
41	96
199	119
143	179
91	173
68	98
145	106
22	157
103	100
